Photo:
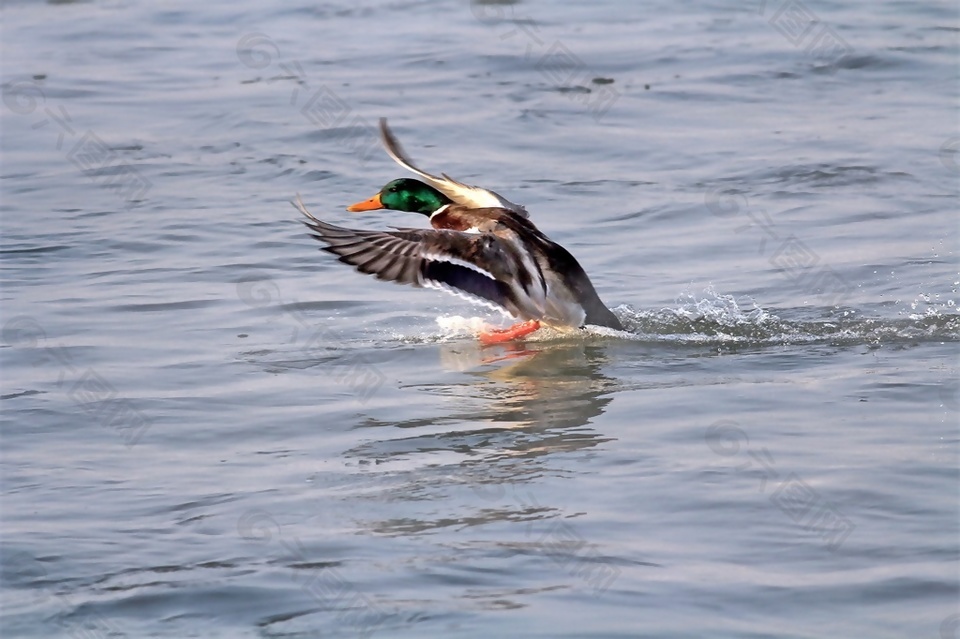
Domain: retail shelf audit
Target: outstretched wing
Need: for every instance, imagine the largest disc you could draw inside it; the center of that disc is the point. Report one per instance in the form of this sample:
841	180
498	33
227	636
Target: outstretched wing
442	259
464	194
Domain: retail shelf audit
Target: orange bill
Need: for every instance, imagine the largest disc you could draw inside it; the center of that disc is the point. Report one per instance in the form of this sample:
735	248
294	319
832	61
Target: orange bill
367	205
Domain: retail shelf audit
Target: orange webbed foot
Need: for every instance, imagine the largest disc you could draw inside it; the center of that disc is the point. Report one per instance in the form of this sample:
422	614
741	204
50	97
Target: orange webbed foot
500	335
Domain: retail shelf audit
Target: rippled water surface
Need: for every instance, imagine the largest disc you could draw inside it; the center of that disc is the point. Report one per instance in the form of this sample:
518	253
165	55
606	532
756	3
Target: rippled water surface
212	429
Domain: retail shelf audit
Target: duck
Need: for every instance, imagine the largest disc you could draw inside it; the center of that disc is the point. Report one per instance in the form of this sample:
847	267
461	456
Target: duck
481	247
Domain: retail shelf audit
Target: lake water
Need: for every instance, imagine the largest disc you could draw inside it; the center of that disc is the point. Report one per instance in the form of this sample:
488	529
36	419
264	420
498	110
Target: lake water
212	429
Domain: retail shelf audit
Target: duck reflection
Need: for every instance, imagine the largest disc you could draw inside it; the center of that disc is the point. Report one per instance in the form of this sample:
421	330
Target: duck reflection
484	480
515	401
515	407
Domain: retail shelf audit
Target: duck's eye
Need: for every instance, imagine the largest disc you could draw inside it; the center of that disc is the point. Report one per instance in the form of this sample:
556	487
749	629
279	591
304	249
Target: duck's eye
393	189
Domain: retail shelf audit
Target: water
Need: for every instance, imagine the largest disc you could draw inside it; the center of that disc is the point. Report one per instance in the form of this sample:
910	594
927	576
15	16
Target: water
212	429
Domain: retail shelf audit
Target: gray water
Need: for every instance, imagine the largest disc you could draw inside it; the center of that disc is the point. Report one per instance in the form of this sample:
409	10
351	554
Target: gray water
211	429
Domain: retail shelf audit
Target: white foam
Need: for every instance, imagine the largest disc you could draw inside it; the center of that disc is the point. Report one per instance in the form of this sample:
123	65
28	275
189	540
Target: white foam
456	326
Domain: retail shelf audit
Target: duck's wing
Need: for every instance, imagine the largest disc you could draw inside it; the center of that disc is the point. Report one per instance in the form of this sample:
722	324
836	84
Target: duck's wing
464	194
478	267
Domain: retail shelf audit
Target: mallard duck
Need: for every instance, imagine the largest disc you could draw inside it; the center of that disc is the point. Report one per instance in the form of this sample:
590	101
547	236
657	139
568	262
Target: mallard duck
482	247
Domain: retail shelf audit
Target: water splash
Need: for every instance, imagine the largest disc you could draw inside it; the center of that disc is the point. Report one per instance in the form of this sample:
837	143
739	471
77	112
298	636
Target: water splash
712	318
457	326
932	304
709	317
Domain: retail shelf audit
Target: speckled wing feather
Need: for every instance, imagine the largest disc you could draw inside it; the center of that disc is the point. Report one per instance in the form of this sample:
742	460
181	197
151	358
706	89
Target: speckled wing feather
460	193
441	259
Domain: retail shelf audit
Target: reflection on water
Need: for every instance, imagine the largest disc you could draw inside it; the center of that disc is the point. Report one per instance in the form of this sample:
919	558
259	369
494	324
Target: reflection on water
516	410
519	404
515	400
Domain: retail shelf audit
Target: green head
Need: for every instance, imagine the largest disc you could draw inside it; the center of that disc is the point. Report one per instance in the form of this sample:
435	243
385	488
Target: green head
405	194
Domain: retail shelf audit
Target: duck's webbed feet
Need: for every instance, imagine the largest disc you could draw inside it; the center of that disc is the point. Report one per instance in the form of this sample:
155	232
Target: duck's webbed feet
500	335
